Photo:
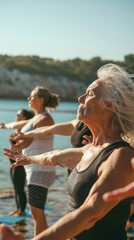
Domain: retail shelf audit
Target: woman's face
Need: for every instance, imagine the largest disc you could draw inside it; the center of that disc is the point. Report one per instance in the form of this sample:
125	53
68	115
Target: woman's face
33	99
90	110
19	116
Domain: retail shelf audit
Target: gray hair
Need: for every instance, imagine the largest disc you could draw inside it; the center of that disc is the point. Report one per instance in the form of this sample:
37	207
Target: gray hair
119	91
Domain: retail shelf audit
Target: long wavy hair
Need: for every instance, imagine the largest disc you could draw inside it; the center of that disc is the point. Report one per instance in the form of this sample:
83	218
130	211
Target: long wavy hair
118	90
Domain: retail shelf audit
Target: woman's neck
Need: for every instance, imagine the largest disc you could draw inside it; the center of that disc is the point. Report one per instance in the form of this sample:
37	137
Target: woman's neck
102	136
105	140
39	111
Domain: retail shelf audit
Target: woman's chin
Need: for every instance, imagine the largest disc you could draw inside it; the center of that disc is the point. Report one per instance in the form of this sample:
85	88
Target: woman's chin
30	105
79	117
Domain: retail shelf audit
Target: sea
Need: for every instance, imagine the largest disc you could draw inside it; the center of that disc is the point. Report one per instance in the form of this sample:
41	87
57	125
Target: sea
57	195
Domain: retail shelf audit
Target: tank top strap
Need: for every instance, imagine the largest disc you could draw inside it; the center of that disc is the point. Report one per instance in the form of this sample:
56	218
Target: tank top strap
120	144
44	113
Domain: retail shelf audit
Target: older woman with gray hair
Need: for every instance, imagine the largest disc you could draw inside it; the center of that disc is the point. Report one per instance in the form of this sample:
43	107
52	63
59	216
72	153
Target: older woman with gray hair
107	109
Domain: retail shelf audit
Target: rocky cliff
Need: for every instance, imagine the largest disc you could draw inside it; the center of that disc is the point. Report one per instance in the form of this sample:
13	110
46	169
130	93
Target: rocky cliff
18	85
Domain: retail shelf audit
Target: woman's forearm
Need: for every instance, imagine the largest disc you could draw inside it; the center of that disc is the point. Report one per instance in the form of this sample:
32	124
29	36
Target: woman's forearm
68	158
63	229
70	225
65	158
59	129
13	125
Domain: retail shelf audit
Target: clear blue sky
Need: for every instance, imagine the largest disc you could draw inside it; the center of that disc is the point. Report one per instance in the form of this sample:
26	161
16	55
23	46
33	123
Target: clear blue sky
66	29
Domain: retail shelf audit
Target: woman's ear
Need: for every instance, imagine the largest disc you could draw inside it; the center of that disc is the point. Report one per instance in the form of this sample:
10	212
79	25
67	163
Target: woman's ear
108	105
41	99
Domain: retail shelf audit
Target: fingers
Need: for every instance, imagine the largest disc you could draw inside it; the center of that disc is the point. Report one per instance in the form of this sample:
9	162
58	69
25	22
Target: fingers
18	146
18	157
14	165
21	144
114	195
2	125
86	139
10	153
19	136
7	152
120	193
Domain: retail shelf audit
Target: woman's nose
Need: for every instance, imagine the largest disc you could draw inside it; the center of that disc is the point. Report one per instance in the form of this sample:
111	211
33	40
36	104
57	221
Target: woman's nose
81	99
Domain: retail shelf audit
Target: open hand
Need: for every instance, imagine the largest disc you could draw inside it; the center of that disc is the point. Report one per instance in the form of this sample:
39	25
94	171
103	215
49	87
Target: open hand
20	136
2	125
86	139
17	156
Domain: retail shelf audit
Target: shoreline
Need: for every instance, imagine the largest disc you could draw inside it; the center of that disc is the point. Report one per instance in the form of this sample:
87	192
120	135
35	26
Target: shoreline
6	193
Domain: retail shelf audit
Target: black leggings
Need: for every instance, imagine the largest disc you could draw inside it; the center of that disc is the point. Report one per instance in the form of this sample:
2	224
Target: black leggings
18	177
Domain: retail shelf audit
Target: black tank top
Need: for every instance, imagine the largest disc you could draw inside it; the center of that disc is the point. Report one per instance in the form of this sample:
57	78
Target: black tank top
77	134
112	225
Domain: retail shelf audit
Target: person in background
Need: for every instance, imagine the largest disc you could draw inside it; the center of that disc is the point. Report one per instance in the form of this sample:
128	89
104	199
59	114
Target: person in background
39	178
107	109
18	175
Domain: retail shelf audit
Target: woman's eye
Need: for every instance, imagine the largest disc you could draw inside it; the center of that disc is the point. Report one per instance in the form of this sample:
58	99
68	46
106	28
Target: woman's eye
90	93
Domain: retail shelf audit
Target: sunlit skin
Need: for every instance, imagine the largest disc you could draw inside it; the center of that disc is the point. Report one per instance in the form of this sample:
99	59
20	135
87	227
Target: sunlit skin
98	119
90	111
8	234
121	193
65	128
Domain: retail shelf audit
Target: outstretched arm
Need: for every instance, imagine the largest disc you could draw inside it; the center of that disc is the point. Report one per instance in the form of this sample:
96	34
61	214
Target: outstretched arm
59	129
13	125
64	158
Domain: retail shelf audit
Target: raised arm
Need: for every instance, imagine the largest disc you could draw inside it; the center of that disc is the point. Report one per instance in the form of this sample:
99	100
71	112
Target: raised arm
59	129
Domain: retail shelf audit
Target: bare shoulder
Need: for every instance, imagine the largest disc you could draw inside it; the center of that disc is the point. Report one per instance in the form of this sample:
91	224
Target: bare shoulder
74	122
44	120
119	160
117	169
122	154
